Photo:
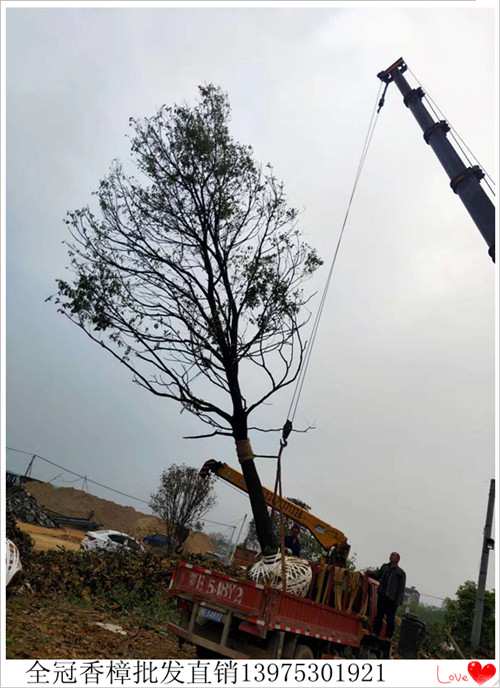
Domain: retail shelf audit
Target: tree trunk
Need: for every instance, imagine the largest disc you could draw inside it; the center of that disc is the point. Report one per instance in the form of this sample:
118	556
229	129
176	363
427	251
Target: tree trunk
263	523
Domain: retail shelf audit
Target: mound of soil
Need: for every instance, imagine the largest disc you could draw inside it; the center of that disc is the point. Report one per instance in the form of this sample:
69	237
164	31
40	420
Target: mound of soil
72	502
198	543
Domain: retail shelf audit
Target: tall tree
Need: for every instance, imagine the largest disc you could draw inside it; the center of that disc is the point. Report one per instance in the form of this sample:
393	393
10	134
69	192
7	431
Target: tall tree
194	271
181	500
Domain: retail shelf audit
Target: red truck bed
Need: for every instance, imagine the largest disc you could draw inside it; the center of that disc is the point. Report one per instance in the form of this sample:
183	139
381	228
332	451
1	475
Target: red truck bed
202	584
261	609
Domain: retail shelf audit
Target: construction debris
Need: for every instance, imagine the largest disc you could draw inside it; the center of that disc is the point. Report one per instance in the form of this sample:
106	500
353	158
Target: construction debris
113	628
13	561
22	540
25	508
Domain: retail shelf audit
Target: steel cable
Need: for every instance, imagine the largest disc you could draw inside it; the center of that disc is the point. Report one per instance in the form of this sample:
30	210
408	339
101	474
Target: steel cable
435	107
302	375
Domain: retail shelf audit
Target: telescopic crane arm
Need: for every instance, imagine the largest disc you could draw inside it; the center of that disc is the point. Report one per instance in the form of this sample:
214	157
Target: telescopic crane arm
324	533
464	181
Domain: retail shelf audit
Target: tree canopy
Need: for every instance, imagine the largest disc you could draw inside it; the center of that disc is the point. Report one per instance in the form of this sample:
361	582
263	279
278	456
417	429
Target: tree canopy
460	612
181	500
194	267
454	618
192	271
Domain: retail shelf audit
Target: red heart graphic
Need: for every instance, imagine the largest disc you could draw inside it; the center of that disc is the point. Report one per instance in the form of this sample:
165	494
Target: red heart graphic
481	674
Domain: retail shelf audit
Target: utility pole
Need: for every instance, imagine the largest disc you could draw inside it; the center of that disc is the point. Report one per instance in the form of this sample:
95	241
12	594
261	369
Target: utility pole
464	181
237	539
27	472
488	543
230	544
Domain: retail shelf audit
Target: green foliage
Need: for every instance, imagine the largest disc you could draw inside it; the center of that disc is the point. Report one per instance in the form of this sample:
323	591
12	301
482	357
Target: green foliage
193	271
119	579
455	618
459	614
193	267
310	548
429	614
182	499
351	562
435	642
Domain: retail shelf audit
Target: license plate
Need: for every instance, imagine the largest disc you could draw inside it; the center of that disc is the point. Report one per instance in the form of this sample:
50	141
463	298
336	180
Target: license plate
211	614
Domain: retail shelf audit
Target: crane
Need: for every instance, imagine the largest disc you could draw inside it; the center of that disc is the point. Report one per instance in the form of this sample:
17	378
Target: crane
325	534
464	181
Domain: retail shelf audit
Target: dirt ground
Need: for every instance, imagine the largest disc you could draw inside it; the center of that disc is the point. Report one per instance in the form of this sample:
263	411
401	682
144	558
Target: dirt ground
54	628
50	538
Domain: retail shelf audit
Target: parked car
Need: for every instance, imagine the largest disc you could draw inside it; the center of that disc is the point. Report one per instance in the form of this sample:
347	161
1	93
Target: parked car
156	540
110	540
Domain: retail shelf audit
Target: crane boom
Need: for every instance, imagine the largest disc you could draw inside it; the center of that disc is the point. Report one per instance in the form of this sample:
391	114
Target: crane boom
464	181
324	533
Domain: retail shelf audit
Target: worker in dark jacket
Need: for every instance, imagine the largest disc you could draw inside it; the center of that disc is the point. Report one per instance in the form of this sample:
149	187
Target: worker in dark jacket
391	590
292	541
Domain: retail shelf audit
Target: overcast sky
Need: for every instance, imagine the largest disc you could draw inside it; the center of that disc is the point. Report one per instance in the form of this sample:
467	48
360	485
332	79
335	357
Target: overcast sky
401	385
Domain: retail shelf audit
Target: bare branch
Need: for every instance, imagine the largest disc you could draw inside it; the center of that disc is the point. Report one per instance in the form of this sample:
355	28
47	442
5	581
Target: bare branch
193	269
209	434
257	429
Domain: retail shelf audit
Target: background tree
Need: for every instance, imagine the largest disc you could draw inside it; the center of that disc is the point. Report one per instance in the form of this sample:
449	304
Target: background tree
193	271
182	499
459	615
251	540
454	617
310	547
436	642
222	543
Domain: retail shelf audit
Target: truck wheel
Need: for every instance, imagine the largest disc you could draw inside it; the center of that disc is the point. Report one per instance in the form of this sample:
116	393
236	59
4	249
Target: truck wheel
303	652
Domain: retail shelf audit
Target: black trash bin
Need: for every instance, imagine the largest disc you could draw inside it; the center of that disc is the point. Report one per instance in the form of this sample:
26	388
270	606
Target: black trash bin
411	633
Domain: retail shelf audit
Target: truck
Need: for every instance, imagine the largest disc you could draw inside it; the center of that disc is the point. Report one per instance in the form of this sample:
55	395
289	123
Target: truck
225	616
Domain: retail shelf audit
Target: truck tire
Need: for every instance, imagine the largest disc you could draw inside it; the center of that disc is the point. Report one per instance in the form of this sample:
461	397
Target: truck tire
303	652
